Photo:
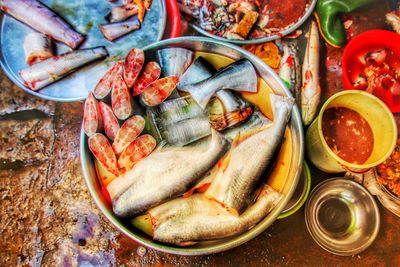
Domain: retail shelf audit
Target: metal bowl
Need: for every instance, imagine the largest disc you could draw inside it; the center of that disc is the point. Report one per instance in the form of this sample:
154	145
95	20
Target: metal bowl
296	159
342	217
85	17
278	35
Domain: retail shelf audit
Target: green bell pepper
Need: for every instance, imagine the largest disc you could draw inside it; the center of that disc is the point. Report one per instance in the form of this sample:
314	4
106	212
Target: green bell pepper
329	22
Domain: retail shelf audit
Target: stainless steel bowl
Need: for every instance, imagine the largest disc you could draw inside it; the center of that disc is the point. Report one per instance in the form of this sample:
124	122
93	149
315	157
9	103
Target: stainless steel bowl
275	36
86	17
342	216
234	52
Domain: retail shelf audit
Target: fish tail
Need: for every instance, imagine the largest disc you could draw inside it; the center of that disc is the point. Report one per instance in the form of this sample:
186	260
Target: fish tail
281	102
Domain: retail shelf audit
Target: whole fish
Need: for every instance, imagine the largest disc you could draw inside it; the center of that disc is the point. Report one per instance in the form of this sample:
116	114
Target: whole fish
116	30
201	70
238	76
37	47
162	175
311	91
290	68
121	13
42	19
52	69
235	187
187	220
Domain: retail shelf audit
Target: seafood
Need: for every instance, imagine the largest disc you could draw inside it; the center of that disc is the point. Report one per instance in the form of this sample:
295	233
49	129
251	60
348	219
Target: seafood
159	90
235	188
52	69
187	131
311	91
290	67
116	30
187	220
121	100
238	76
150	73
393	19
200	70
121	13
221	118
132	66
37	47
176	171
42	19
242	20
104	86
92	120
174	61
128	133
102	151
104	176
110	122
137	150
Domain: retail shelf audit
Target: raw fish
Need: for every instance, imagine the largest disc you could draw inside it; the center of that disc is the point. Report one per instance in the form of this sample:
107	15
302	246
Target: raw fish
121	100
174	61
239	76
92	120
42	19
116	30
102	151
52	69
187	220
104	86
136	151
128	132
110	122
121	13
133	64
235	188
150	73
158	91
164	174
37	47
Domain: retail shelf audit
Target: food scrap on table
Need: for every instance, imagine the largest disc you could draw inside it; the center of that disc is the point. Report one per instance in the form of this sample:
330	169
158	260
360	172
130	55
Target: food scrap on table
389	172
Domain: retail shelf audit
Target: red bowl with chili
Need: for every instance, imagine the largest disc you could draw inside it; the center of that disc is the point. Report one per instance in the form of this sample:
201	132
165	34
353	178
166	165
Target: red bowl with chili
371	62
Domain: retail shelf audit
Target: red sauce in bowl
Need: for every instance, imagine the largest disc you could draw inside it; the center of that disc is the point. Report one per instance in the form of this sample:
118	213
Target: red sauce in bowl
347	134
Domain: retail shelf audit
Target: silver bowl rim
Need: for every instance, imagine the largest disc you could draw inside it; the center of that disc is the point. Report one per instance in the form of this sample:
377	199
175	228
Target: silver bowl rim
12	77
370	197
235	240
273	37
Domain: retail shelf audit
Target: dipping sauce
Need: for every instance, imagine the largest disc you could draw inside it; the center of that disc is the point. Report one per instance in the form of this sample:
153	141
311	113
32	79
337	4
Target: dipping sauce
347	134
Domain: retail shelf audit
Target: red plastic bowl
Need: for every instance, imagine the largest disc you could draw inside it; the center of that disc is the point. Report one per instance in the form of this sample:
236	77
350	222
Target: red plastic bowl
365	42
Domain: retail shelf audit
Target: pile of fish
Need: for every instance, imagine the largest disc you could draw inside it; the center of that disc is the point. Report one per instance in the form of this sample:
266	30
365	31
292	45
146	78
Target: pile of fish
198	167
44	66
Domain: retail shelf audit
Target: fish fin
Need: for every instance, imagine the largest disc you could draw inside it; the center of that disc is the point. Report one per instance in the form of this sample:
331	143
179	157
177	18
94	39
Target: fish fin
224	162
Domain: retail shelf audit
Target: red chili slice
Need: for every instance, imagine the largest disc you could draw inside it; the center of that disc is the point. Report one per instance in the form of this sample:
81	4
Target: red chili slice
133	64
136	151
102	151
128	133
110	122
121	100
159	90
92	120
150	73
103	88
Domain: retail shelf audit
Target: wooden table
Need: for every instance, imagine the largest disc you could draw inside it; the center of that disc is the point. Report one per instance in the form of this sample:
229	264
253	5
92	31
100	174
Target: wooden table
48	217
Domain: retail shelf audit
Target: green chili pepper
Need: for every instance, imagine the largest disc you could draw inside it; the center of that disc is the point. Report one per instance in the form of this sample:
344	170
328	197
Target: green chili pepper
328	17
